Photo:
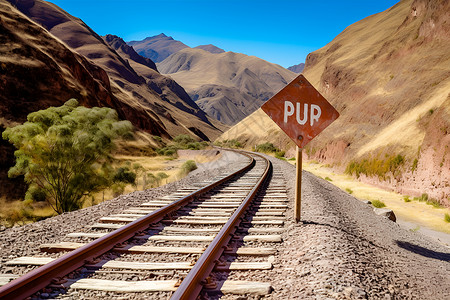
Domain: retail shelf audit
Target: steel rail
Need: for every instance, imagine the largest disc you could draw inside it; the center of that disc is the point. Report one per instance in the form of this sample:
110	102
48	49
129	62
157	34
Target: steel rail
41	277
192	284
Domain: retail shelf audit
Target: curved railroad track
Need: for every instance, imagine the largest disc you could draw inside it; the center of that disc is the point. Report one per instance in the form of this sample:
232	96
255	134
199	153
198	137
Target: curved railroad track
196	241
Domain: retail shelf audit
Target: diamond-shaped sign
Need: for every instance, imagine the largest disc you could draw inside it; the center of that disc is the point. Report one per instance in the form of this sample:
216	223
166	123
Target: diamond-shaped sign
300	111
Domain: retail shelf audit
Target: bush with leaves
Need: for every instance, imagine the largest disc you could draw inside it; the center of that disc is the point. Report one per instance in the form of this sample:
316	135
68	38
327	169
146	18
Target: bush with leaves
121	178
160	176
187	167
181	141
64	152
266	148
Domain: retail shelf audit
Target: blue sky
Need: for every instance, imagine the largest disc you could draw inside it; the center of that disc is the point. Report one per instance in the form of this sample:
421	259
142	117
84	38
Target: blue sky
282	31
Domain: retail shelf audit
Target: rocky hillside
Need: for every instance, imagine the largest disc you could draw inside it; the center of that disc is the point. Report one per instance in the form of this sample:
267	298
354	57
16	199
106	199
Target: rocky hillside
297	68
157	47
389	77
48	56
228	86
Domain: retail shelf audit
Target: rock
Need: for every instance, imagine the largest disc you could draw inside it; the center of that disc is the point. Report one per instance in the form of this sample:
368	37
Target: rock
366	201
385	212
271	259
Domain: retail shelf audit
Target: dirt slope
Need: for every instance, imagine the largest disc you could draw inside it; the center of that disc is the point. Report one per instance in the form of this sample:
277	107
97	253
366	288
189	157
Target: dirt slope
228	86
389	77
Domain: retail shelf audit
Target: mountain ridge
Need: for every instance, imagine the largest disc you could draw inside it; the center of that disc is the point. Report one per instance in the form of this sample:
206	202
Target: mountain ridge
213	80
157	47
210	48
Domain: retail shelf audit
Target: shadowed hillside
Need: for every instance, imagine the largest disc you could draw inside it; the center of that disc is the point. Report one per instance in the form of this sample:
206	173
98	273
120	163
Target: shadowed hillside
172	113
38	70
389	77
228	86
36	73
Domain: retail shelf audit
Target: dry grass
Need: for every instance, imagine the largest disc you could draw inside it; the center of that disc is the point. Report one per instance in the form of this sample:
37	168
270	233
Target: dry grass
15	212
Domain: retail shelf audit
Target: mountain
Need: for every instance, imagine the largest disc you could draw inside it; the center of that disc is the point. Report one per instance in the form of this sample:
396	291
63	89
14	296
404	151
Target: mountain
48	56
297	68
210	48
388	75
227	86
128	52
167	88
143	101
158	47
161	46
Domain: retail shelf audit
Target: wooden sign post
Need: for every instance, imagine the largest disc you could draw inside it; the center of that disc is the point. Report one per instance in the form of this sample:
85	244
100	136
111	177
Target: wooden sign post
302	113
298	184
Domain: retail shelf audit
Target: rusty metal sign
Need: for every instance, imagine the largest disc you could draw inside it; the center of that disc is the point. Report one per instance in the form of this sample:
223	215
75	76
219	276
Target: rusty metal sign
300	111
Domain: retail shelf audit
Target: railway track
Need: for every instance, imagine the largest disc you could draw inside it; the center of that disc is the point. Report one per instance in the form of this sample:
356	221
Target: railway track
201	240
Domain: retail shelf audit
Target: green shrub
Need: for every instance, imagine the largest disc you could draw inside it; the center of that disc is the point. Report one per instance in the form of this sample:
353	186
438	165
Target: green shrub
349	190
406	199
230	144
194	146
149	180
378	204
328	178
376	167
423	198
183	139
266	148
65	152
169	152
447	218
280	154
188	166
160	176
433	202
123	174
414	164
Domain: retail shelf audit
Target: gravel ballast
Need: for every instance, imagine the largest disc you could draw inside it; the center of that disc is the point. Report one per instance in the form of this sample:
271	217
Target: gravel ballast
340	250
25	240
343	250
